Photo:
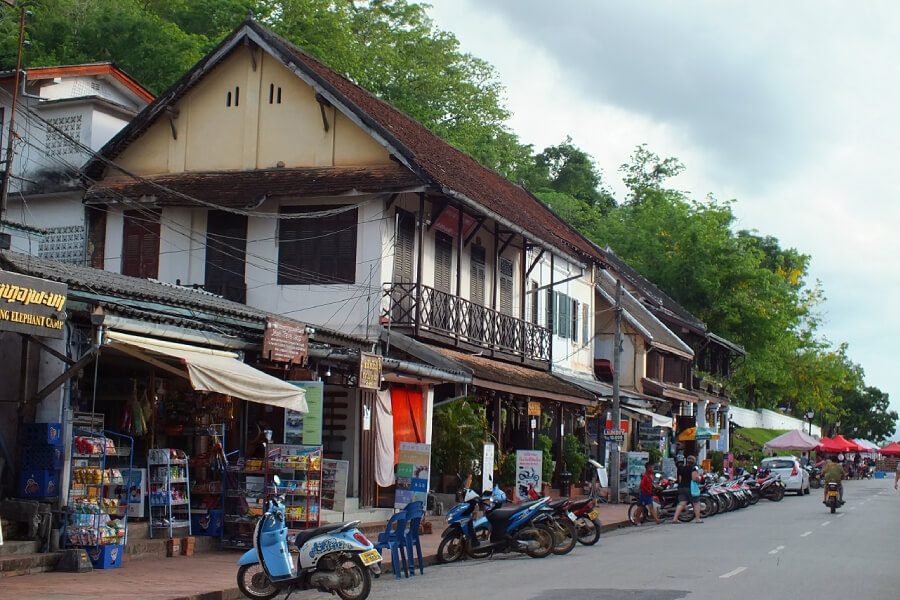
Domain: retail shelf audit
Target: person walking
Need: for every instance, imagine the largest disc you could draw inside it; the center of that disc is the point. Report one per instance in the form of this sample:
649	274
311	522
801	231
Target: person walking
645	495
688	489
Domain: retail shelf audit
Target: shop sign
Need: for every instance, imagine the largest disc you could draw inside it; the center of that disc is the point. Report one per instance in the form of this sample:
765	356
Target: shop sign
413	469
487	467
614	435
529	464
534	409
623	424
369	371
448	222
306	428
285	341
31	305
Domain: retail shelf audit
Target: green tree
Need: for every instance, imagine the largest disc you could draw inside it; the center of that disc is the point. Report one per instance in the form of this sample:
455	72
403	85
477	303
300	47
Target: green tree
866	414
459	433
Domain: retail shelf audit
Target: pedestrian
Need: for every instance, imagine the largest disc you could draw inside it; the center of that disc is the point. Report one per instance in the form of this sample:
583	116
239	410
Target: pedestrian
897	476
688	488
645	495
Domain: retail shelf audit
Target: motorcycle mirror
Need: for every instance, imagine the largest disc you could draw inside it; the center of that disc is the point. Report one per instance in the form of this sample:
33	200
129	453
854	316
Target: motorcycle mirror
276	479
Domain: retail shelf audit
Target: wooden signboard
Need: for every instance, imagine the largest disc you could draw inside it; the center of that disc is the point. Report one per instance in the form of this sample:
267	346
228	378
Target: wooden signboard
285	341
534	409
369	371
31	305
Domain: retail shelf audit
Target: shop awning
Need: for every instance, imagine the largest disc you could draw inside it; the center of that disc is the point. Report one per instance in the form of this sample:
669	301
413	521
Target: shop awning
213	371
656	419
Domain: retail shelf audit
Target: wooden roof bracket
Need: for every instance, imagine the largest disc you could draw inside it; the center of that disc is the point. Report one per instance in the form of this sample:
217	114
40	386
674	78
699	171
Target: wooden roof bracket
323	102
172	114
537	259
480	223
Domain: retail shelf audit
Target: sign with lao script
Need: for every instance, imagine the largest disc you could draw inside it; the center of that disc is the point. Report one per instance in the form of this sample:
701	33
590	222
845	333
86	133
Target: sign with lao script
285	341
369	371
32	306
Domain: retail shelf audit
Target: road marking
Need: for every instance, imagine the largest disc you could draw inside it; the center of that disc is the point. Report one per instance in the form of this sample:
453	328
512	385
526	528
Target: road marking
851	508
825	523
805	534
733	573
776	550
840	515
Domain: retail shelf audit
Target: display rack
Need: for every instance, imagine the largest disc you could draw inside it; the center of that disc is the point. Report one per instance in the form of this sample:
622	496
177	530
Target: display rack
95	517
300	471
169	490
208	486
244	491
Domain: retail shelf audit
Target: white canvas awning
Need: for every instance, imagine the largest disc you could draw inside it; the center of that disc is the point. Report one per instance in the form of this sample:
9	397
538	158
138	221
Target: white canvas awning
213	371
656	419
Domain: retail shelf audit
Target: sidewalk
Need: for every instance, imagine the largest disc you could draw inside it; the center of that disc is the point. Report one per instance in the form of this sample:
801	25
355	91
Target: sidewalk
206	576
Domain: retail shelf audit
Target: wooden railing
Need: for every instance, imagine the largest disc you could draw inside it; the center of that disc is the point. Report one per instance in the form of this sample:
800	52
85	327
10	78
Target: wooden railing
460	319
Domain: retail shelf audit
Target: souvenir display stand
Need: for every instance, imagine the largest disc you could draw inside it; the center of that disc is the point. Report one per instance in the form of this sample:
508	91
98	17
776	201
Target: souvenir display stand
300	471
208	485
243	502
169	493
95	517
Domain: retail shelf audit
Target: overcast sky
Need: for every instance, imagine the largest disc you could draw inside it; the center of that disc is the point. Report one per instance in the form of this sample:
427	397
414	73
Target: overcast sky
790	108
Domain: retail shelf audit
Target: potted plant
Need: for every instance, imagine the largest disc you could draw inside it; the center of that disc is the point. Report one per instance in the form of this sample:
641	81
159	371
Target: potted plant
545	445
459	429
575	456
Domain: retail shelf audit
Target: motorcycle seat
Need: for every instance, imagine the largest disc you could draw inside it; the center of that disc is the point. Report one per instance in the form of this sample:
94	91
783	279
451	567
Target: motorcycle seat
557	503
304	536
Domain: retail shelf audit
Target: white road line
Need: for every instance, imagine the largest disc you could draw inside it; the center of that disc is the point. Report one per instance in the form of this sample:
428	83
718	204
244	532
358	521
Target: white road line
776	550
733	573
840	515
825	523
806	534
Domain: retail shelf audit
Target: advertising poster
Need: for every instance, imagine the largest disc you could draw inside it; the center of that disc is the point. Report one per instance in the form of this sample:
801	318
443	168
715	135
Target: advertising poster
528	473
634	469
306	428
334	484
487	468
413	467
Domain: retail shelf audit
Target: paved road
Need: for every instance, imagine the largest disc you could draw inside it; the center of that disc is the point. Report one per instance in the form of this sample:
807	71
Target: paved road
790	549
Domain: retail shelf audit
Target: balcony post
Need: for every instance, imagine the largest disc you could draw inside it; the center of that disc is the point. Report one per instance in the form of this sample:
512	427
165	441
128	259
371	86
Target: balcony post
421	260
459	246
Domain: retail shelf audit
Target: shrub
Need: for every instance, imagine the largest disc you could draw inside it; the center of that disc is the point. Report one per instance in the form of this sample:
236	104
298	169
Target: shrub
459	437
544	443
575	455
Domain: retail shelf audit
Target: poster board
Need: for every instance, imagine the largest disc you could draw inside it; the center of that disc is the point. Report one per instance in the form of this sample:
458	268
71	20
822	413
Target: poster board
634	469
528	473
487	467
306	428
334	483
413	471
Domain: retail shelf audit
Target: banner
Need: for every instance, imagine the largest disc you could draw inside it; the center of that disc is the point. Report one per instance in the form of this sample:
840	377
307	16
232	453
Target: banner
528	473
413	469
306	428
634	469
487	467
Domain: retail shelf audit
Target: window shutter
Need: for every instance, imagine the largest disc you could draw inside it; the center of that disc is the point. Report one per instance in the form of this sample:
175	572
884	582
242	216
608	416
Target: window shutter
317	251
478	275
443	261
140	244
548	310
534	302
586	323
404	249
506	286
564	307
574	323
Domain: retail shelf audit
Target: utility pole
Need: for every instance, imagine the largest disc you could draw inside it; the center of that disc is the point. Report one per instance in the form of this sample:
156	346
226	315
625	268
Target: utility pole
614	456
5	240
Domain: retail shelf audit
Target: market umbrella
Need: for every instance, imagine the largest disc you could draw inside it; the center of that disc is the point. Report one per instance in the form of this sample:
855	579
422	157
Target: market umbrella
792	440
698	433
892	449
848	445
827	444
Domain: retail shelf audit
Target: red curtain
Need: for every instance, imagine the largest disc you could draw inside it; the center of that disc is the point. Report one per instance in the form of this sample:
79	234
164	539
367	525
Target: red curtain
409	418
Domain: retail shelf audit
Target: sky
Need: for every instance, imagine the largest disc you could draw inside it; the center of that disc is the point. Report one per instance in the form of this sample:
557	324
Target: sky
791	109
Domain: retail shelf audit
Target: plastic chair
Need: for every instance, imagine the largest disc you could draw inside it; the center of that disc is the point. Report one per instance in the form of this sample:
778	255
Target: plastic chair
394	538
414	513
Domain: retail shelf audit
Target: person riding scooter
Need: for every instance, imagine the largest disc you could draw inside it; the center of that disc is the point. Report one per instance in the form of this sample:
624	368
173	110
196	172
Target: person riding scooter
833	472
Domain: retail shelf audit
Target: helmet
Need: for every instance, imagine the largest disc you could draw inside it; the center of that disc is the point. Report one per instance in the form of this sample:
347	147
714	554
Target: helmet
679	458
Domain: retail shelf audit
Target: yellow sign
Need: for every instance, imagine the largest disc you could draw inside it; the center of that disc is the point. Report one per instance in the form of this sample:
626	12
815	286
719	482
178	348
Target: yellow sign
32	306
369	371
534	409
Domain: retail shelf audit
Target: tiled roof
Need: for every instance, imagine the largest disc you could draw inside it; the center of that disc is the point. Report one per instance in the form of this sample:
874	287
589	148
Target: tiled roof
235	189
427	155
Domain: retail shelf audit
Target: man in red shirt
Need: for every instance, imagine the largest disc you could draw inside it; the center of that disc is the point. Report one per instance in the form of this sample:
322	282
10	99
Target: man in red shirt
645	497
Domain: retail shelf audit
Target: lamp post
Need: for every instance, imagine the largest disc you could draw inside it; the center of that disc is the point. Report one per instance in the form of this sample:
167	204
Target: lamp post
809	415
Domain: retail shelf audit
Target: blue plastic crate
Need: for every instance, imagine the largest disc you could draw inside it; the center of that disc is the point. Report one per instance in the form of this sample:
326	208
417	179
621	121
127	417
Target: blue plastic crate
107	557
39	483
37	434
209	524
44	456
879	474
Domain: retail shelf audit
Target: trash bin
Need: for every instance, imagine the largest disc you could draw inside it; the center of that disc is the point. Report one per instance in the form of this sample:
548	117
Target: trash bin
565	477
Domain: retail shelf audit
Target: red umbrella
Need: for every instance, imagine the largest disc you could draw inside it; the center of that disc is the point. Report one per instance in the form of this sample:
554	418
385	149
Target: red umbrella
892	449
848	445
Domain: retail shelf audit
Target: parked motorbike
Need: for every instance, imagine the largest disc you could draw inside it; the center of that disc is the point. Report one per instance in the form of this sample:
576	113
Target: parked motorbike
815	476
832	496
335	558
584	516
561	521
666	499
456	537
511	528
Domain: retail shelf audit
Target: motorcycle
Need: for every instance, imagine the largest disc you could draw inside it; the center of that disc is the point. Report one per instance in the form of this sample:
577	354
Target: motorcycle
511	528
581	515
460	528
832	496
336	558
815	476
666	499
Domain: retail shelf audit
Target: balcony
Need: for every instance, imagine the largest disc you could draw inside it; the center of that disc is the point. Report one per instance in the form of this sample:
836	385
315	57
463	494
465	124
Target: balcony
452	320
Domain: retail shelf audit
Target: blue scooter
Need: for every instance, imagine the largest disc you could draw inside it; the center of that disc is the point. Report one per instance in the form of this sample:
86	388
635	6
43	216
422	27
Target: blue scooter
335	558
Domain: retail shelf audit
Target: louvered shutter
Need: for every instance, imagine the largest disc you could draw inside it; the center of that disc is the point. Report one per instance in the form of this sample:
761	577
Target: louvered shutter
562	313
506	286
478	275
404	248
443	262
574	322
140	244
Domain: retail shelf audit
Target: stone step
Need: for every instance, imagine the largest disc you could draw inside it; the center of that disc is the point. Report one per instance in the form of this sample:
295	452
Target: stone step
25	564
17	547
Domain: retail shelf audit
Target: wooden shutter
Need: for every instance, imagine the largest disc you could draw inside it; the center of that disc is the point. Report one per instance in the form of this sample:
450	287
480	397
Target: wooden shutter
534	302
443	261
585	323
140	244
478	275
564	306
575	321
506	286
404	249
548	310
226	253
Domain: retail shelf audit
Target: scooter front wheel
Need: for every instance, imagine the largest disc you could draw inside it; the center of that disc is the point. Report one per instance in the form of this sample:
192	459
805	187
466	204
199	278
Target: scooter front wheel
361	578
451	549
254	583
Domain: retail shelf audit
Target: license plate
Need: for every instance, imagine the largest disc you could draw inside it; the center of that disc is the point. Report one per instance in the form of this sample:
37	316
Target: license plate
593	515
832	493
571	516
370	557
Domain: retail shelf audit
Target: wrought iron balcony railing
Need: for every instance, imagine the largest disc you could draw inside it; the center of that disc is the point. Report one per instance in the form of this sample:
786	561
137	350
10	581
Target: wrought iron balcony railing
458	318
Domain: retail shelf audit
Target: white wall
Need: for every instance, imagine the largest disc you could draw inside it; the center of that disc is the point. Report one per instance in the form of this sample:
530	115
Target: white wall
768	419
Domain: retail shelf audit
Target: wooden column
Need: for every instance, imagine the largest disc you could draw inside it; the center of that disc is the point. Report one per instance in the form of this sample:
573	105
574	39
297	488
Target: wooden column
420	265
367	450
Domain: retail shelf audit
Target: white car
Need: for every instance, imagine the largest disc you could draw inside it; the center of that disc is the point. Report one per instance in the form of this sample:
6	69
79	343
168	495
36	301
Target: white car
795	477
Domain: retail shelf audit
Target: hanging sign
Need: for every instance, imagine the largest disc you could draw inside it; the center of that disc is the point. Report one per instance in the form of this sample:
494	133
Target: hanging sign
369	371
487	467
528	473
31	305
285	341
448	222
534	409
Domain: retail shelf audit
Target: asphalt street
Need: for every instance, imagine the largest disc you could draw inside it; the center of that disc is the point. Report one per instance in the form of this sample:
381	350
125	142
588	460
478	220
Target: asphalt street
789	549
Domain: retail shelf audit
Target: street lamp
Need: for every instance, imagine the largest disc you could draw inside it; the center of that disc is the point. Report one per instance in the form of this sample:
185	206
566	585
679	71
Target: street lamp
809	415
